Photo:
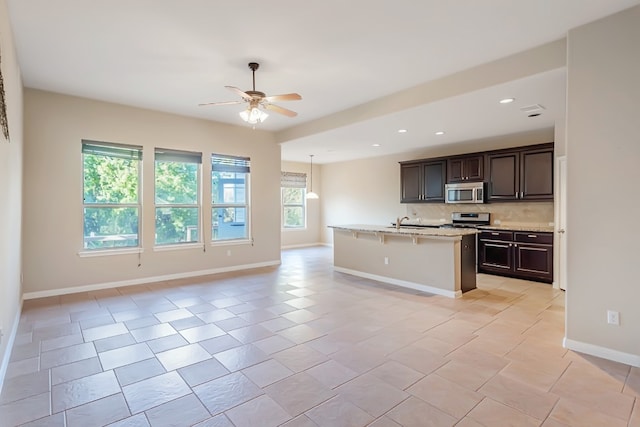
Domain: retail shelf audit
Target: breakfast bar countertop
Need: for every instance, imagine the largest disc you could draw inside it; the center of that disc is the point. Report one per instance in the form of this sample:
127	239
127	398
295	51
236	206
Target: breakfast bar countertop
407	230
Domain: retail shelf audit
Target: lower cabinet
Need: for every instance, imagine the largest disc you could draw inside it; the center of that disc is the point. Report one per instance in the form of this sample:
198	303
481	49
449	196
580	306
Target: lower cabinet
518	254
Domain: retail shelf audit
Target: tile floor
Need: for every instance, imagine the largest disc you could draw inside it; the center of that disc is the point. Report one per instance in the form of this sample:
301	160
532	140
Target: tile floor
301	346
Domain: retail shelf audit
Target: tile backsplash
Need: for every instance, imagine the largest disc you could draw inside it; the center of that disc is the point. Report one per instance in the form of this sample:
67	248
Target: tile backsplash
524	213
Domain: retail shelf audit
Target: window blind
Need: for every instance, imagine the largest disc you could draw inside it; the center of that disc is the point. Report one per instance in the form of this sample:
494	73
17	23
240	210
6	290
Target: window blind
163	155
131	152
223	163
293	180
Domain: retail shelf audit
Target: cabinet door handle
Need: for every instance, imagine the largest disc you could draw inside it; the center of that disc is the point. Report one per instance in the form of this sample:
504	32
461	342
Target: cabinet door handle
495	234
533	236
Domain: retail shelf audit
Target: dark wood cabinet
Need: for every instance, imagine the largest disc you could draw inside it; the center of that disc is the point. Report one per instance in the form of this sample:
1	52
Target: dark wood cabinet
536	174
410	183
495	251
516	254
433	181
465	168
524	174
422	182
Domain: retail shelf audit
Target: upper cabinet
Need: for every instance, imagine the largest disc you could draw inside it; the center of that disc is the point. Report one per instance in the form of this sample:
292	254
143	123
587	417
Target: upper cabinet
465	168
521	174
514	174
422	182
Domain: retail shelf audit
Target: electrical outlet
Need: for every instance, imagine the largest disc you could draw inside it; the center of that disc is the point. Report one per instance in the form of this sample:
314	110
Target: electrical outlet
228	252
386	260
613	317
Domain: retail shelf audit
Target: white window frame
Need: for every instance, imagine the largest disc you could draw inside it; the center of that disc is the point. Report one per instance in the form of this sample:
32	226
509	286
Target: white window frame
236	164
293	180
168	155
118	151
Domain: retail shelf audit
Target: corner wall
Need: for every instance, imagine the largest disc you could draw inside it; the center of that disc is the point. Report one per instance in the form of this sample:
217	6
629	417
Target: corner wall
603	151
54	127
10	194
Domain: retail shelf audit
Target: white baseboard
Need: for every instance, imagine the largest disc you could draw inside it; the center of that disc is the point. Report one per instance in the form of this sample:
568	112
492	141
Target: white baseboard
603	352
403	283
143	280
10	340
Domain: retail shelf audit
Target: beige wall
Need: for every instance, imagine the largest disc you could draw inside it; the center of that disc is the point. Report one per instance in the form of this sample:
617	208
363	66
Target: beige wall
54	127
10	193
310	235
368	191
603	150
360	192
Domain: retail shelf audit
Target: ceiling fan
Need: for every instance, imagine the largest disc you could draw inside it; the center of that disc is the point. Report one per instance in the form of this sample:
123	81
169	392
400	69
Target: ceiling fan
259	101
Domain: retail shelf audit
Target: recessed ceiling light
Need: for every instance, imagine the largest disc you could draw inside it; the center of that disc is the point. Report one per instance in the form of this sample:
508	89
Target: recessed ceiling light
440	132
507	100
402	131
375	145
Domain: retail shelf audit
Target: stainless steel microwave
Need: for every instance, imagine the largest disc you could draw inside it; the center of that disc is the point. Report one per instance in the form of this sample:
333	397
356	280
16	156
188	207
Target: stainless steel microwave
464	192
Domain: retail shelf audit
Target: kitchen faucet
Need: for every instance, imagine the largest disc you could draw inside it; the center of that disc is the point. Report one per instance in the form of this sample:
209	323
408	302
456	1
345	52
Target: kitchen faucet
399	221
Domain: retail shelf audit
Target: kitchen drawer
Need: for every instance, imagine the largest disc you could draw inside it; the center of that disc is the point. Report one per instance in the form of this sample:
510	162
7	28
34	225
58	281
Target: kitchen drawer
496	235
541	238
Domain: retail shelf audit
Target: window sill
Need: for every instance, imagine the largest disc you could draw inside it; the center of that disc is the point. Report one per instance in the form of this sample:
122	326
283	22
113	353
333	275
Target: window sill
231	242
288	229
109	252
178	247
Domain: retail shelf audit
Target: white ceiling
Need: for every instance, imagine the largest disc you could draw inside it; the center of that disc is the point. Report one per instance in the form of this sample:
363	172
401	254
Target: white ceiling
171	55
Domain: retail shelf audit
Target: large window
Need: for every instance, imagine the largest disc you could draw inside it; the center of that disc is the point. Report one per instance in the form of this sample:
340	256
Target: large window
177	197
230	197
111	182
294	188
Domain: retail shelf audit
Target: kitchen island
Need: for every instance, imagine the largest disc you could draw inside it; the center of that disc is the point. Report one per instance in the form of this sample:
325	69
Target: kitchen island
434	260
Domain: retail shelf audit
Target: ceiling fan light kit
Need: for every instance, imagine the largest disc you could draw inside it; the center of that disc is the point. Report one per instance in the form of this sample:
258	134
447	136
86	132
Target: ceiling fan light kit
259	101
253	115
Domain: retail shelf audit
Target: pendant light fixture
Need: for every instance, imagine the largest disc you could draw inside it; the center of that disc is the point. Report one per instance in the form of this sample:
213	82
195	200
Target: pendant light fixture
311	194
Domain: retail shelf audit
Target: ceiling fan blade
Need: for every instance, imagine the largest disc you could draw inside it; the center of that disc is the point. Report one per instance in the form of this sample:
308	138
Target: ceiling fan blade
285	97
280	110
221	103
237	91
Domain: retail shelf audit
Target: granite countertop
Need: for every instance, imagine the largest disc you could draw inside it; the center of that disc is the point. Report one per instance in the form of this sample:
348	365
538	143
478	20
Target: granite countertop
534	228
407	230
